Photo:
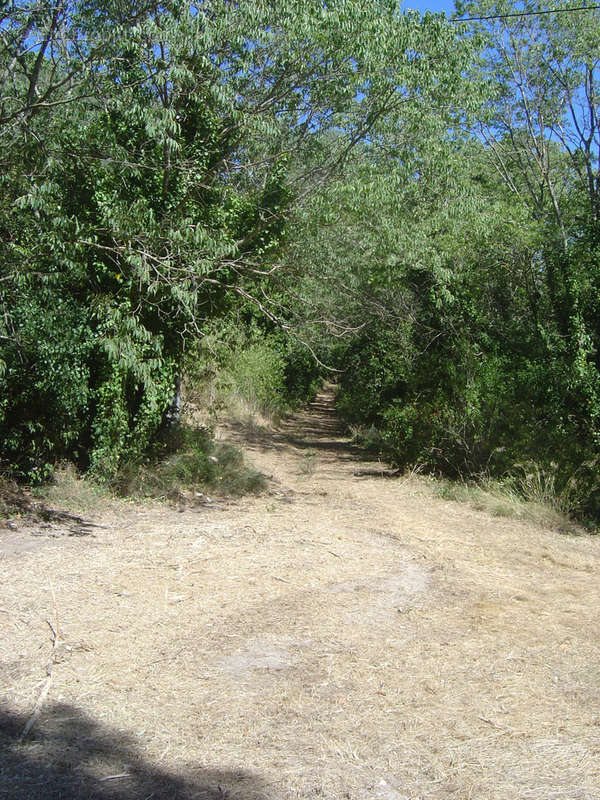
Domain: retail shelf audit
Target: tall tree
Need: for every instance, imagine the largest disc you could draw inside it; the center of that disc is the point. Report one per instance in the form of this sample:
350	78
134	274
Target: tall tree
541	71
541	66
161	150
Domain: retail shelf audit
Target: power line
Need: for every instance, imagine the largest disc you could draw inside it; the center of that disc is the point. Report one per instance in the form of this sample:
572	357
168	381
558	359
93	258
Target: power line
527	13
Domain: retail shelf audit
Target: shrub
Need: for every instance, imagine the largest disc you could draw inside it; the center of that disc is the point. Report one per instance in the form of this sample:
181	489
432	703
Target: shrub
188	459
240	364
45	387
258	375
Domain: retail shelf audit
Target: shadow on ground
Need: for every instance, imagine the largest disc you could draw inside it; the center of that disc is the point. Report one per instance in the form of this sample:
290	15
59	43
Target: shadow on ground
315	428
69	756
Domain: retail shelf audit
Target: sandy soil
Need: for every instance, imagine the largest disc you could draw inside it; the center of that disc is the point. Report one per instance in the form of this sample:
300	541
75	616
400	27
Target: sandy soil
346	635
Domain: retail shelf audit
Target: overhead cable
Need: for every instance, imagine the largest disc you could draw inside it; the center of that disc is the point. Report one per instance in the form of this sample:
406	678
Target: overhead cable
527	13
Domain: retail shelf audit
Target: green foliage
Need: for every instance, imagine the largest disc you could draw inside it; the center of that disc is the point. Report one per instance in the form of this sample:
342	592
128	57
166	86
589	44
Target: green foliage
148	173
258	375
243	360
45	387
374	374
275	373
478	335
154	216
303	374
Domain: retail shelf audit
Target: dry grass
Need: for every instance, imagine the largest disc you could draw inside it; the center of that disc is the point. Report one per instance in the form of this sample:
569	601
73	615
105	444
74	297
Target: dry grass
309	462
240	409
72	492
210	401
349	636
499	500
13	501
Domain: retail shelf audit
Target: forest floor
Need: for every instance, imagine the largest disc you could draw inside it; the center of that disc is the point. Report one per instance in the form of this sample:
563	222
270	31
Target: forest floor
344	635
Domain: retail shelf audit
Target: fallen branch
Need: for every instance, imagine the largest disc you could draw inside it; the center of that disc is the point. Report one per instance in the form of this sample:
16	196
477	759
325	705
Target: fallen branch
37	708
495	725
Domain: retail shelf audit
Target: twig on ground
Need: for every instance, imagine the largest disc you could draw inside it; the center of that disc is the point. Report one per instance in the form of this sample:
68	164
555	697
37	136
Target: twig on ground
165	658
312	541
495	725
48	682
36	709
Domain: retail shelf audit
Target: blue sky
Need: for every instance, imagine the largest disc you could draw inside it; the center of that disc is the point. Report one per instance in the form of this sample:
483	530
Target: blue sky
430	5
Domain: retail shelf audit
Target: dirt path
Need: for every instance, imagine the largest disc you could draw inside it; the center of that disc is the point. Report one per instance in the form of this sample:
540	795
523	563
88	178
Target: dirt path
345	636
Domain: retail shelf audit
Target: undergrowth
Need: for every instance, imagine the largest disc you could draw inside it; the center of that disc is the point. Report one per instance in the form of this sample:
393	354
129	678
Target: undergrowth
186	464
531	493
13	502
188	459
539	493
368	437
72	491
248	374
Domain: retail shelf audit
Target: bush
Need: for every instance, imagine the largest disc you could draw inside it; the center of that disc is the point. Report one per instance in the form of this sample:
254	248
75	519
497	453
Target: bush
45	387
78	389
241	365
374	375
187	459
258	375
303	374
